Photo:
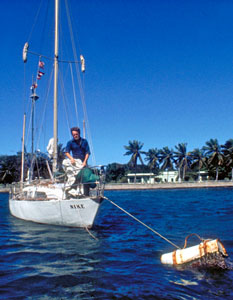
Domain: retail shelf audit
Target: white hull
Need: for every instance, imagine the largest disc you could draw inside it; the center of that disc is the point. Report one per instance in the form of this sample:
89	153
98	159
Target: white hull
76	212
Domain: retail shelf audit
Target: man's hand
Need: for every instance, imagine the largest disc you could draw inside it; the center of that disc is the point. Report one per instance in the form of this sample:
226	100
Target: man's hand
72	160
84	164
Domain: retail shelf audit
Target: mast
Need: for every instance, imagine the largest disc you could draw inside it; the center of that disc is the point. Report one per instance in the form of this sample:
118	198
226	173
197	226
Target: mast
34	98
55	88
22	154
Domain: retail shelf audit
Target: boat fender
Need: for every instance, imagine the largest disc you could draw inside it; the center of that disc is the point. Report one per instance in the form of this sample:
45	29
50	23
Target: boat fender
25	52
82	63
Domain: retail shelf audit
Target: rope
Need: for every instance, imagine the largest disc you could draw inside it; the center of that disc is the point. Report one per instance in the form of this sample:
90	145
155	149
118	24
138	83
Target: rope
170	242
95	238
186	239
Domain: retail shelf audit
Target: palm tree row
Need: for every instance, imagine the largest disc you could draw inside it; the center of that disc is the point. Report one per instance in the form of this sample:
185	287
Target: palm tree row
211	157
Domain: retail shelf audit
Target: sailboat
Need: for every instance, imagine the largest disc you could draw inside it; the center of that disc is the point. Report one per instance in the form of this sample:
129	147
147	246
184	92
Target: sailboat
47	201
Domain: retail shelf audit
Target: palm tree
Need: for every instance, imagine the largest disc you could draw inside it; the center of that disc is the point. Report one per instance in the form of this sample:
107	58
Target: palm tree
152	156
214	154
182	159
198	160
134	149
166	158
228	153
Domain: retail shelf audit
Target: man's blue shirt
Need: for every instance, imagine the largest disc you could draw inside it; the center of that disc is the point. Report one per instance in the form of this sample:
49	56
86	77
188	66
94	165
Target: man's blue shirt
78	148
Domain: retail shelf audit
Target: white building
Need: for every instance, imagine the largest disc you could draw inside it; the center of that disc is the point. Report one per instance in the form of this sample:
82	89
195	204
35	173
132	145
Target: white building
151	178
204	175
168	176
164	176
141	178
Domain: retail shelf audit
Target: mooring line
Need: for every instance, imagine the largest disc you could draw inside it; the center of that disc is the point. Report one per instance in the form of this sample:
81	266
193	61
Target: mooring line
170	242
91	233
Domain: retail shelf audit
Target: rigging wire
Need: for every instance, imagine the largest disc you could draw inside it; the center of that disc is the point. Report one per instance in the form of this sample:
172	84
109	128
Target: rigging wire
85	114
35	20
71	22
64	100
45	105
44	27
80	82
75	99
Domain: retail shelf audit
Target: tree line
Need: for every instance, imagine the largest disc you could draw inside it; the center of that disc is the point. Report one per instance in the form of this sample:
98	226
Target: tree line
10	166
215	159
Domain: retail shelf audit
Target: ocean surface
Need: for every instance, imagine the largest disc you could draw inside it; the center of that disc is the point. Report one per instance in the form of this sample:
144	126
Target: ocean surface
123	262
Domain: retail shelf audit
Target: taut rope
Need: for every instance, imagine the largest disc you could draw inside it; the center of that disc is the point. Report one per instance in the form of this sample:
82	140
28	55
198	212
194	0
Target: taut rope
170	242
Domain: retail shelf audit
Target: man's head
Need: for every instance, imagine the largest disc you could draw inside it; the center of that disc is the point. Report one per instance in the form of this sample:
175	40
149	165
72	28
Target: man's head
75	131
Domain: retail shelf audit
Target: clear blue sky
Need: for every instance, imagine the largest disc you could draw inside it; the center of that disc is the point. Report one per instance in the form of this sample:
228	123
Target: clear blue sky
158	71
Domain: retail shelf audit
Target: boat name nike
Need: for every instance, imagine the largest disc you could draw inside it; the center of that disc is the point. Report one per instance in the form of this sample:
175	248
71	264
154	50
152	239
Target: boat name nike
77	206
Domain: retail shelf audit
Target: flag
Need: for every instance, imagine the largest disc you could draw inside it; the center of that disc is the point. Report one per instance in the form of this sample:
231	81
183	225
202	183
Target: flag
34	86
41	64
40	74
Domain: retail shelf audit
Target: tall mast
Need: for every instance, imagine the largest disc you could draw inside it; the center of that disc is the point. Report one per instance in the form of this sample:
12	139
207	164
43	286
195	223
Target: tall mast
55	88
22	155
34	98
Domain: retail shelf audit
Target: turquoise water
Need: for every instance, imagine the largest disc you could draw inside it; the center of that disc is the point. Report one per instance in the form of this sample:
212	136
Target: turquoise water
50	262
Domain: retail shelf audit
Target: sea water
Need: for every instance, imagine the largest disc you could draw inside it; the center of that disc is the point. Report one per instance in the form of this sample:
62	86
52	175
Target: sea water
123	261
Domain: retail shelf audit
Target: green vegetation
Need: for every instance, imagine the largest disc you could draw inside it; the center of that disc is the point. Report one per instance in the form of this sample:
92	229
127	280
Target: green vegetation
10	166
182	159
213	158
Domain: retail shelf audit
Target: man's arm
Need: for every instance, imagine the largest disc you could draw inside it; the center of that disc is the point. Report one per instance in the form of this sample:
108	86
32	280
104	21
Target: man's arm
85	159
70	157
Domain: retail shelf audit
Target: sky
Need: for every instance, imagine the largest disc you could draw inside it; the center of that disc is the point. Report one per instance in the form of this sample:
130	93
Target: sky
157	71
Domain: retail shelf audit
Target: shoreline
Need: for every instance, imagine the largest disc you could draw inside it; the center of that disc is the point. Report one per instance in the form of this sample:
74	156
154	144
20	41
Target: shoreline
172	185
157	186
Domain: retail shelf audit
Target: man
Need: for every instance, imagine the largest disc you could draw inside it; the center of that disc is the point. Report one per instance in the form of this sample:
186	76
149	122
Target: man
78	146
74	163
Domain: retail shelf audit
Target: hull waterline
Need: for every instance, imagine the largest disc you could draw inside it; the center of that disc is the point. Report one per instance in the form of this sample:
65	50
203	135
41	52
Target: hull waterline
72	212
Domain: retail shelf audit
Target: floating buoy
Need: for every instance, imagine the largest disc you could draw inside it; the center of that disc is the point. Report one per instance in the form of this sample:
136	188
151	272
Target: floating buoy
209	253
185	255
